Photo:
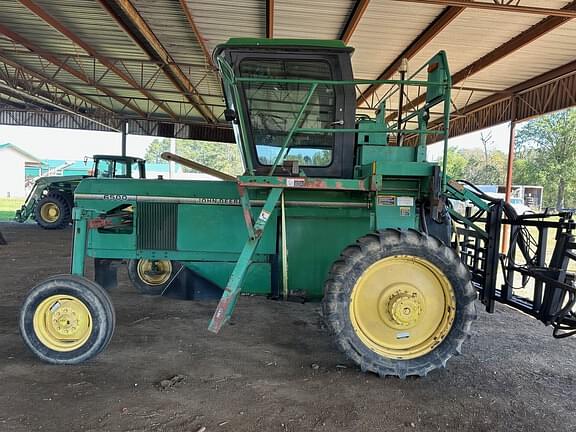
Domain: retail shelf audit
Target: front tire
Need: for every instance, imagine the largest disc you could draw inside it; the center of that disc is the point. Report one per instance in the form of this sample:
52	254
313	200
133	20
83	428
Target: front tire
67	319
53	211
399	303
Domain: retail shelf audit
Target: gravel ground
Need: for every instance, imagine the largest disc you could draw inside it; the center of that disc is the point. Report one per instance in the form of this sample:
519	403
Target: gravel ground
273	369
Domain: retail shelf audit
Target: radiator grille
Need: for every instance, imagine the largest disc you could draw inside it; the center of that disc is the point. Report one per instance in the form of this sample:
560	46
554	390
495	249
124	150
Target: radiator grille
157	223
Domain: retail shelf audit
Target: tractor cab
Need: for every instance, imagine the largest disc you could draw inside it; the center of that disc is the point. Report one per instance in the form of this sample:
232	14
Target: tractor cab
111	166
275	85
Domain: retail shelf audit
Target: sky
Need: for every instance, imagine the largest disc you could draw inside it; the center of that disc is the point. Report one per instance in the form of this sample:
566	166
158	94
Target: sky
68	144
500	141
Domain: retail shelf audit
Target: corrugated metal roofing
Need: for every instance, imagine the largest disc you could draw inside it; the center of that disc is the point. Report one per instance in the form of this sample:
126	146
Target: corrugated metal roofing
145	87
317	19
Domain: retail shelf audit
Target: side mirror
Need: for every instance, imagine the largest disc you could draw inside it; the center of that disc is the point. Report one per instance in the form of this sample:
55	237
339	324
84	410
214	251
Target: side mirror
230	115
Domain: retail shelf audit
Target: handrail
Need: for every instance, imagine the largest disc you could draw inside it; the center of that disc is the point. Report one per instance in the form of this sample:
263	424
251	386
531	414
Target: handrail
438	62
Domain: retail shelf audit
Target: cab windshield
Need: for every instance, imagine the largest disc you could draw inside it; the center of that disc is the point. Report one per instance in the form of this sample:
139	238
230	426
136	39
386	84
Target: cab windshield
273	108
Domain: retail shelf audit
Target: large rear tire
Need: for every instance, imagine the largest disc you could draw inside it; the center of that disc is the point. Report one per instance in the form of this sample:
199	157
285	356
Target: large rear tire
67	319
53	211
399	303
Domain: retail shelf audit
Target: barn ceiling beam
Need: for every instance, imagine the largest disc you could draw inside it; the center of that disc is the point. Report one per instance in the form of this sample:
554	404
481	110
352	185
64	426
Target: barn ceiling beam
35	81
134	25
439	24
57	25
55	119
357	13
11	103
14	97
126	103
43	103
269	19
562	72
124	62
526	37
498	7
196	31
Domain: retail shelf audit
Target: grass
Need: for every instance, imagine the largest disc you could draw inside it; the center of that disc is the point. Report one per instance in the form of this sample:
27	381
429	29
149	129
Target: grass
8	207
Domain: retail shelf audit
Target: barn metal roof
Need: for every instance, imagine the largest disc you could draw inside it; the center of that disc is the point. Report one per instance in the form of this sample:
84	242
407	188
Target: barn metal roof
93	64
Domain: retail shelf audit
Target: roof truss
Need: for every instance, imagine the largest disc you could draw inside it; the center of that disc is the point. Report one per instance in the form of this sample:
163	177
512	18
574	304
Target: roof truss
133	24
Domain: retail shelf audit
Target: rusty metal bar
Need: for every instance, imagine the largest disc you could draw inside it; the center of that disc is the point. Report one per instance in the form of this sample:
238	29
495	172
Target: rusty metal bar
498	7
509	173
171	157
199	38
269	19
355	17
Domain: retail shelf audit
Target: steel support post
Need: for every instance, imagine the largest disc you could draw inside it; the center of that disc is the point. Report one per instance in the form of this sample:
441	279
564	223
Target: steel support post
124	134
509	171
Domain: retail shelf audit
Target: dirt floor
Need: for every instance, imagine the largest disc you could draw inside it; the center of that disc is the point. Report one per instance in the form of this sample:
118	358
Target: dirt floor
273	369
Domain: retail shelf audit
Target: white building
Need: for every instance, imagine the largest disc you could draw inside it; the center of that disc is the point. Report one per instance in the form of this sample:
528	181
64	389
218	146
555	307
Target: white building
12	170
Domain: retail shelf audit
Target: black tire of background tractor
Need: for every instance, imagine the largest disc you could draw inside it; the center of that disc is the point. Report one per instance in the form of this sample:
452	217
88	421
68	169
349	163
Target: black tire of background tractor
96	300
142	286
64	216
69	199
355	259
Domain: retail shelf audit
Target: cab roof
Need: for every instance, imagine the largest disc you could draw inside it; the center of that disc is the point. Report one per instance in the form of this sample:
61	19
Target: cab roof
322	44
130	159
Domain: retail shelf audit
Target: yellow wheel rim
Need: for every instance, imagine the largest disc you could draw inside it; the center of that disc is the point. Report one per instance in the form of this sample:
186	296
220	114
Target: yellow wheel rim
402	307
62	323
154	272
50	212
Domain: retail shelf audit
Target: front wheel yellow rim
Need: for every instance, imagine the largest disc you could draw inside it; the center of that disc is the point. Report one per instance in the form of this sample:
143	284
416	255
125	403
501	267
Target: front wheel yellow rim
154	272
50	212
62	323
402	307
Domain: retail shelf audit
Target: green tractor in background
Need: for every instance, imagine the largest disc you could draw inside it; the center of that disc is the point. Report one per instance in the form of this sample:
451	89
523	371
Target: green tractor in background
333	206
51	198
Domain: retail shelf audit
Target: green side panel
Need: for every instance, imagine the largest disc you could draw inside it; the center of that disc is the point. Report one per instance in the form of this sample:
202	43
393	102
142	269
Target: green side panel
403	217
103	239
258	278
405	169
387	154
371	132
213	228
314	243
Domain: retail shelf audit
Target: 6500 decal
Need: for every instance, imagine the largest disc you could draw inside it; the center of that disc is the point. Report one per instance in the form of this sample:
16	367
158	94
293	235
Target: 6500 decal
115	197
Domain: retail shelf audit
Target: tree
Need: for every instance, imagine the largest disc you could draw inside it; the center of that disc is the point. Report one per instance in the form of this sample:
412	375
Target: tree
548	147
456	163
479	166
220	156
156	148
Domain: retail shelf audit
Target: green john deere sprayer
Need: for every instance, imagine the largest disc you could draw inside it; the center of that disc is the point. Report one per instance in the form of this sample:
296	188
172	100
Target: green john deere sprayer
51	198
333	206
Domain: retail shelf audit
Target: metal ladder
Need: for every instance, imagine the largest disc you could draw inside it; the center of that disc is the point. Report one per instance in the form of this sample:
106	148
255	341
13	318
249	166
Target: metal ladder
255	231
